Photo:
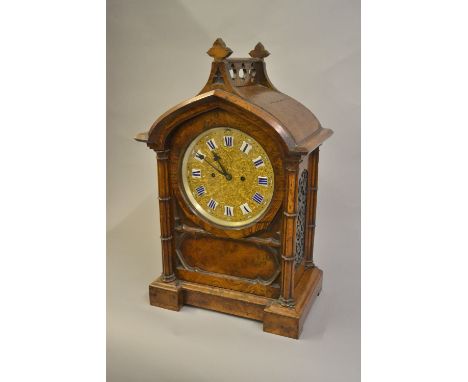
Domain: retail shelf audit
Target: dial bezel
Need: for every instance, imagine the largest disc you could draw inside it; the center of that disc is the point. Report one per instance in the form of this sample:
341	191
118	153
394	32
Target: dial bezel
195	205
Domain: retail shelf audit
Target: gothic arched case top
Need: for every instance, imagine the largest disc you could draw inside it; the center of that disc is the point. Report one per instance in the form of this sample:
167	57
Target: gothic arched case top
237	225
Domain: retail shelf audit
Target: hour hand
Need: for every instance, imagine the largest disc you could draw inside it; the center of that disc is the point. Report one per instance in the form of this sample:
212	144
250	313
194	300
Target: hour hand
203	157
217	159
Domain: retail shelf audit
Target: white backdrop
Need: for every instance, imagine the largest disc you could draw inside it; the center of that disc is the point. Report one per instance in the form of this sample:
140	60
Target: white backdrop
156	58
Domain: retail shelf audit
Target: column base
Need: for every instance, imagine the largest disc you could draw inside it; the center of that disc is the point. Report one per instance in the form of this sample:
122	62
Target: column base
287	321
167	295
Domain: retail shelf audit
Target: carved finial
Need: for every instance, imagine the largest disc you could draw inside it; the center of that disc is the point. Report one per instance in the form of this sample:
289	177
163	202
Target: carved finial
219	50
259	51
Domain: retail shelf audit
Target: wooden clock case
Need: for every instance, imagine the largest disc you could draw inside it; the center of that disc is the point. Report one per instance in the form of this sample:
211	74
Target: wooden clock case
264	271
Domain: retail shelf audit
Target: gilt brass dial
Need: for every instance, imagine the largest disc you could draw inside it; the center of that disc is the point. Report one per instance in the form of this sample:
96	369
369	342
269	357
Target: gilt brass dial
227	177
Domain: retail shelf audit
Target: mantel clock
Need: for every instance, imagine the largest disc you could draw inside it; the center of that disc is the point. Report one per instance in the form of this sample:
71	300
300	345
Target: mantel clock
237	173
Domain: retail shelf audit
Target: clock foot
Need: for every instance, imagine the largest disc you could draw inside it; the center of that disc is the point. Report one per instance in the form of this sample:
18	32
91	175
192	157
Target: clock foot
288	321
167	295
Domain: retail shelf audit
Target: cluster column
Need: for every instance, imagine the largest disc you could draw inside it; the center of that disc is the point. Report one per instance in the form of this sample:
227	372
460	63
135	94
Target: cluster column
166	216
289	232
312	188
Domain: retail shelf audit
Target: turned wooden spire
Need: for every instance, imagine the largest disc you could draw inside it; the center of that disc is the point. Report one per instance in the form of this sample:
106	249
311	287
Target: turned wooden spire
219	50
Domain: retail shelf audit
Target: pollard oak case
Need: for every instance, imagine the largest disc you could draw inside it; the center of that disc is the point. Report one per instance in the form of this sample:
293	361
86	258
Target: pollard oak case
239	249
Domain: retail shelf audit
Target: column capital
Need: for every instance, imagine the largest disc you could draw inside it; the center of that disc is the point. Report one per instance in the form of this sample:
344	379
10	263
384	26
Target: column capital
162	154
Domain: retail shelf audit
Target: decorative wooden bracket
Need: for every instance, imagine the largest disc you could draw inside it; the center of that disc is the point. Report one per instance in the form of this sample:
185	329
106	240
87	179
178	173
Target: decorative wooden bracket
219	51
259	52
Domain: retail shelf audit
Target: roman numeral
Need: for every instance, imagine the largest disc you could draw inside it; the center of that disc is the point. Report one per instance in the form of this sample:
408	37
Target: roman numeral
200	190
211	144
212	204
245	208
228	211
257	198
263	181
228	141
258	162
199	156
196	173
245	147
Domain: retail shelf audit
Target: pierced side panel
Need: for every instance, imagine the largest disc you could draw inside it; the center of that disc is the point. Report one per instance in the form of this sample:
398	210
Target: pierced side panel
301	218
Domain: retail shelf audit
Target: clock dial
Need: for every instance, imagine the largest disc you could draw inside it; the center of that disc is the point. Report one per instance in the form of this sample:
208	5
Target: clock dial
228	177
